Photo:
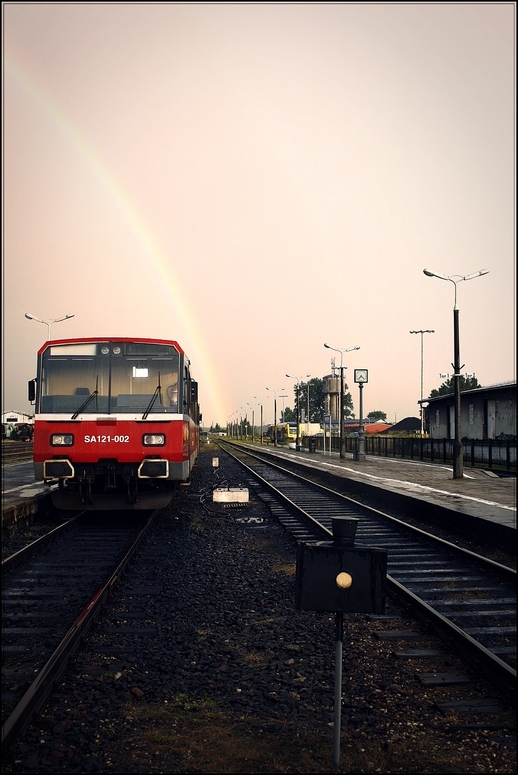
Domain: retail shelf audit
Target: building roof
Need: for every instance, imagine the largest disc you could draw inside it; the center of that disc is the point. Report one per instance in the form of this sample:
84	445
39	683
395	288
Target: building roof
486	389
408	425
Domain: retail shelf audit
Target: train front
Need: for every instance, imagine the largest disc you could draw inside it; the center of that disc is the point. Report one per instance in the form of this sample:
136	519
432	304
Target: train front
116	422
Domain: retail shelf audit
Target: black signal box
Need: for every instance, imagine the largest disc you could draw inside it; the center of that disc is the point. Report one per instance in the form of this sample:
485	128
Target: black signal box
334	577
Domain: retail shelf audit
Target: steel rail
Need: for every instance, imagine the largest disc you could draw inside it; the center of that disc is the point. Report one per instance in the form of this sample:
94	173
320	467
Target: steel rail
497	670
8	563
39	691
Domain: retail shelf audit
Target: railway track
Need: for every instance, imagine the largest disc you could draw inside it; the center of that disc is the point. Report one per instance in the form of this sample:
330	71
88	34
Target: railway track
52	591
469	599
17	451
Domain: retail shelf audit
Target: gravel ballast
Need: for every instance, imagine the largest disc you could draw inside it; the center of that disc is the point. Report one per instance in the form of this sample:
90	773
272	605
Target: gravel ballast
201	663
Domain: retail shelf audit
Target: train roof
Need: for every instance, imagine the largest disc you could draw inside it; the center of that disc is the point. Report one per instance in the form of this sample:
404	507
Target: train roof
87	339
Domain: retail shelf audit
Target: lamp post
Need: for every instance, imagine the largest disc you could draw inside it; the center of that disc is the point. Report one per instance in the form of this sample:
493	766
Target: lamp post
292	376
361	376
48	322
458	462
307	420
253	419
341	419
275	391
422	332
282	410
261	405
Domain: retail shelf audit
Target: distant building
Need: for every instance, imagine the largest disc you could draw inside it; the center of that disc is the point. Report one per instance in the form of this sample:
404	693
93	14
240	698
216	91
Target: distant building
16	417
485	413
407	425
369	427
16	425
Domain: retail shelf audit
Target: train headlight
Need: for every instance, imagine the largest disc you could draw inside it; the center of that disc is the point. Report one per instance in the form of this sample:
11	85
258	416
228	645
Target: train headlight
61	440
153	439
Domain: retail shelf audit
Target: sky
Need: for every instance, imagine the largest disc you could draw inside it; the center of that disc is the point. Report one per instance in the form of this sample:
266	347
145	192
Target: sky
256	180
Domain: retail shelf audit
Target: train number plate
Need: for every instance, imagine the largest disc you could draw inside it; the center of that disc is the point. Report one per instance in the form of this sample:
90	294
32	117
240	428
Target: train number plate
102	439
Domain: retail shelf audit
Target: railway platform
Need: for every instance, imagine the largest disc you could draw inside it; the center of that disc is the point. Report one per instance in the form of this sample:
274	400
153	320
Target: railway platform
481	500
22	497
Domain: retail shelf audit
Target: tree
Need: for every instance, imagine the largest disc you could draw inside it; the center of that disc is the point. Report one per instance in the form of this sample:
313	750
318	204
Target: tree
377	415
289	415
466	383
317	400
348	403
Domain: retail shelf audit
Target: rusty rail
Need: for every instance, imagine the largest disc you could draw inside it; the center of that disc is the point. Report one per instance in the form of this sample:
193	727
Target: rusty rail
16	451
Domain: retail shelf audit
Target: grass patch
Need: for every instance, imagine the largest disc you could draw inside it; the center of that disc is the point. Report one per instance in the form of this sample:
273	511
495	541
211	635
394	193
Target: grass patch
254	659
190	735
288	568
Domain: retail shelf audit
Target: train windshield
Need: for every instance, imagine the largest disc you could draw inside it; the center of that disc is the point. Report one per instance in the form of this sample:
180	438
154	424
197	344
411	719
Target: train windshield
110	377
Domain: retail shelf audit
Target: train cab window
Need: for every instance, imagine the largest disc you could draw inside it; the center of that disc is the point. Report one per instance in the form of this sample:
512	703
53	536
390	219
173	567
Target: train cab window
125	377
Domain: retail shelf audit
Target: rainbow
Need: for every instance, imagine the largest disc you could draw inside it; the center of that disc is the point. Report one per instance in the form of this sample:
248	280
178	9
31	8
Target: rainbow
204	367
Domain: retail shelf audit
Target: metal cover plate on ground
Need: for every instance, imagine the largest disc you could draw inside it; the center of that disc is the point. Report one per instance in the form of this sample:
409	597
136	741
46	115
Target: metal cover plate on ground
230	495
440	679
397	635
483	705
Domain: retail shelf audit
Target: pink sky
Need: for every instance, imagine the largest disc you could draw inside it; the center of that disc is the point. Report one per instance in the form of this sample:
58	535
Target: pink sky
255	180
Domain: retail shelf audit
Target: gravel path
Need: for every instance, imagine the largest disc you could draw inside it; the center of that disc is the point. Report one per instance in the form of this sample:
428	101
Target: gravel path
202	664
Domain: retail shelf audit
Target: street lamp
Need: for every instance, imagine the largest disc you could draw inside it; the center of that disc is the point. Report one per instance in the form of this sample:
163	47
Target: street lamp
48	322
341	351
309	375
422	332
458	462
292	376
275	391
261	405
252	406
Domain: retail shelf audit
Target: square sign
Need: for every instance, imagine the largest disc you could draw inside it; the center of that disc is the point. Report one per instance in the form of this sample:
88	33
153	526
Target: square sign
335	578
361	375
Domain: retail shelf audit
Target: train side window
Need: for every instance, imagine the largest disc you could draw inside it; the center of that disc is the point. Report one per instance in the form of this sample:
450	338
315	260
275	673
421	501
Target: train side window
172	396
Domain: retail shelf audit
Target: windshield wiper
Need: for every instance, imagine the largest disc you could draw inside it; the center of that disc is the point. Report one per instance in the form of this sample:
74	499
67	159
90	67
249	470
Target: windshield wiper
88	400
85	404
158	392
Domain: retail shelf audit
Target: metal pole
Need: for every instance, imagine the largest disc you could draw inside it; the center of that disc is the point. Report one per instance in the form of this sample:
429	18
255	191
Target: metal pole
338	687
261	405
342	451
361	432
458	468
275	420
422	370
308	408
458	472
422	332
297	440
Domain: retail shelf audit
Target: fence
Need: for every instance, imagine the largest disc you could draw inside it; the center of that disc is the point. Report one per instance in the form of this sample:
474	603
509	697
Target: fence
492	454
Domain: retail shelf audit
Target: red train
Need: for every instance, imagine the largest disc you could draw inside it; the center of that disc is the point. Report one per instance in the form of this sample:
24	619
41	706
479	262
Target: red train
116	421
